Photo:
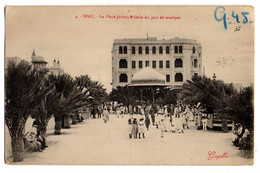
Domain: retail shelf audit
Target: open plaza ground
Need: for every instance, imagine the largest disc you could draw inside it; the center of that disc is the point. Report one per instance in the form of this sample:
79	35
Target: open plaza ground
97	143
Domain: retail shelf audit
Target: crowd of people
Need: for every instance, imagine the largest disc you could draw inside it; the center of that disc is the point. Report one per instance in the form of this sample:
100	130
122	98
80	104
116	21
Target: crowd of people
167	118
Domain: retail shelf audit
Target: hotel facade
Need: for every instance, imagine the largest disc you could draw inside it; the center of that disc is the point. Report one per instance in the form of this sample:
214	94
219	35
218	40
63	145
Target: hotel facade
176	59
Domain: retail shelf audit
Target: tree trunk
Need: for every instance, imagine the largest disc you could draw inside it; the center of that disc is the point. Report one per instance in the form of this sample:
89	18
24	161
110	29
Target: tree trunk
74	119
18	148
44	132
67	122
58	124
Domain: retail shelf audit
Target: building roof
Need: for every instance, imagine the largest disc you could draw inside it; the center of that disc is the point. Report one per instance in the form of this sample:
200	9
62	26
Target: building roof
39	59
148	77
154	40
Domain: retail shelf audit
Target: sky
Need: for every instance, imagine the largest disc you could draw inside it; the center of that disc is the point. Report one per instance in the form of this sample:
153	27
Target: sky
83	45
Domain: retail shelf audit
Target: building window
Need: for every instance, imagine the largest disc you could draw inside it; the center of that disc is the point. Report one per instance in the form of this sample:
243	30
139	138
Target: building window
167	64
146	50
146	63
120	49
140	64
195	63
168	78
178	77
193	50
133	64
195	74
123	77
123	63
160	50
154	50
140	50
178	63
175	49
160	64
154	64
167	50
133	50
180	49
125	50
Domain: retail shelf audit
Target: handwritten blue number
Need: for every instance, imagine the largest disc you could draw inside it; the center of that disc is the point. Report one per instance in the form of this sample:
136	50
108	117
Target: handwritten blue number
235	16
221	18
244	15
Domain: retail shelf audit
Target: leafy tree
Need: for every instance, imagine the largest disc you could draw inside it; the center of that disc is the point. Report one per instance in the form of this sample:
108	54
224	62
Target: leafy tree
22	86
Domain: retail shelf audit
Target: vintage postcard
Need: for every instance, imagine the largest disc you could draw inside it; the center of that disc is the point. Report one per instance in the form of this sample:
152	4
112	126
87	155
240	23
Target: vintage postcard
129	85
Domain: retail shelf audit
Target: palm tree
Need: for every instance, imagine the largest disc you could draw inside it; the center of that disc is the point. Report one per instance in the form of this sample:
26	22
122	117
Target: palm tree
94	92
211	93
46	109
66	93
240	107
126	95
22	86
166	96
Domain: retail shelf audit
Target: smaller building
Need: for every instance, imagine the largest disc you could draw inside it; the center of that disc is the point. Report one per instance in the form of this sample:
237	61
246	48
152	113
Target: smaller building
38	61
56	69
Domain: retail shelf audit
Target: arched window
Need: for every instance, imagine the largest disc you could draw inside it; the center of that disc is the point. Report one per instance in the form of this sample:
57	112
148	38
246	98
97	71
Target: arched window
133	50
178	63
140	50
120	49
193	50
154	50
123	77
125	50
160	50
178	77
167	50
123	63
180	49
146	50
175	49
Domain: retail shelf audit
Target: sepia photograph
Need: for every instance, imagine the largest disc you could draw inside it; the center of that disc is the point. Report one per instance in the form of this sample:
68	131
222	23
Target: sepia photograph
129	85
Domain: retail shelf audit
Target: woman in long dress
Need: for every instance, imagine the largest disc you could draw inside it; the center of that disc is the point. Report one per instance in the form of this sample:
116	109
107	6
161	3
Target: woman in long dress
134	128
105	115
147	122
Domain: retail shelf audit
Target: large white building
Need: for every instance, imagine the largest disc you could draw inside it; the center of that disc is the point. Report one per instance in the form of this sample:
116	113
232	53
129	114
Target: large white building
177	59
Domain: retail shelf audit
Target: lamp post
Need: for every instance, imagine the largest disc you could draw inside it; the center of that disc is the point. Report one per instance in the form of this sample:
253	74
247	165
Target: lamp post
214	76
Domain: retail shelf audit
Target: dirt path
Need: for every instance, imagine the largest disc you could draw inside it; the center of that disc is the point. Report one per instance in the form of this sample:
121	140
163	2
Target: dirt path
97	143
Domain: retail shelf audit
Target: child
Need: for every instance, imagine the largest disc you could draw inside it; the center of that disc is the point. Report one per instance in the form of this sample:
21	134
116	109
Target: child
162	127
141	128
204	122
